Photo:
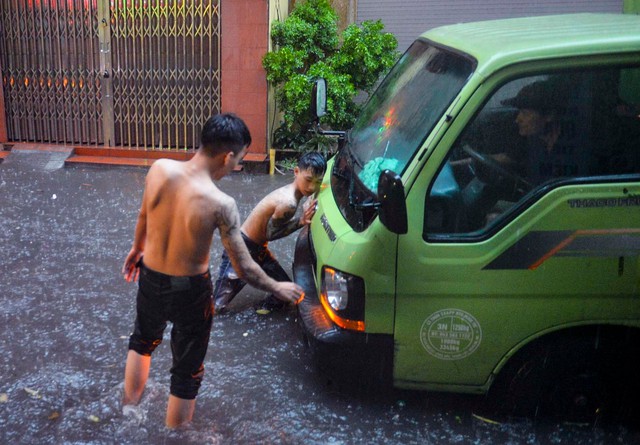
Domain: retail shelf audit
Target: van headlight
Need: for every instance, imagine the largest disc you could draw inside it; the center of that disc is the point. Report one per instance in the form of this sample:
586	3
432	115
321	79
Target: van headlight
342	296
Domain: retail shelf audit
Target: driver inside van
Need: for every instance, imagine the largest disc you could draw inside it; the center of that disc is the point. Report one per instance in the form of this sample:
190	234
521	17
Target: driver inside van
547	153
546	150
547	147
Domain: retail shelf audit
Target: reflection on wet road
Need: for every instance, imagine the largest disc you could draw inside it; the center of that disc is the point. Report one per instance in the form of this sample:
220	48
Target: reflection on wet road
66	313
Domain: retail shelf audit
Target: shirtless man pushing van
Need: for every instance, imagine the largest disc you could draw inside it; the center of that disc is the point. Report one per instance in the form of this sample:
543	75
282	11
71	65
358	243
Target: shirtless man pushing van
181	208
273	218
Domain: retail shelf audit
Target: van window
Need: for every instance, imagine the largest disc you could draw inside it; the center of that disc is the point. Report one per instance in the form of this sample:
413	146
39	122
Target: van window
536	132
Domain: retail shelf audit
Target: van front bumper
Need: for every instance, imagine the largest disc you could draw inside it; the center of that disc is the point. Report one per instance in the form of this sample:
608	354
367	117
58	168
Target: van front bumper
338	352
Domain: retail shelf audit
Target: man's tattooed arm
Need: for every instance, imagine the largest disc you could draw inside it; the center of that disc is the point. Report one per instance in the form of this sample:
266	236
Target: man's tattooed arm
228	219
283	225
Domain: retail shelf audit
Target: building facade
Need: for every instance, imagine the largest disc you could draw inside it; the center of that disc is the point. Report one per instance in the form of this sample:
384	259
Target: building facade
143	74
130	73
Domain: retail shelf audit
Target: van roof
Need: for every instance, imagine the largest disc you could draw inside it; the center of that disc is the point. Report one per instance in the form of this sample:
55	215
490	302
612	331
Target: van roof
496	43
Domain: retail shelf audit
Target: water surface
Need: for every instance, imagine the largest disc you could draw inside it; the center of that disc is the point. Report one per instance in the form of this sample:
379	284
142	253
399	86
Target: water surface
66	313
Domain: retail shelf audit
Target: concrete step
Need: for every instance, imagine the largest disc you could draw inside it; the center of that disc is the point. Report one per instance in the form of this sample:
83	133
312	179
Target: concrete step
37	156
110	160
124	156
78	155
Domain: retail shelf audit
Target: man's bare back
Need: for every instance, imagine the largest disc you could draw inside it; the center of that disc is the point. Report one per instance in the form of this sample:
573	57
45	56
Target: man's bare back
183	208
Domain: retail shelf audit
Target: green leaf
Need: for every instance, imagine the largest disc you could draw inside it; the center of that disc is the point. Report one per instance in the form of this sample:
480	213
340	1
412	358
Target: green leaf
307	46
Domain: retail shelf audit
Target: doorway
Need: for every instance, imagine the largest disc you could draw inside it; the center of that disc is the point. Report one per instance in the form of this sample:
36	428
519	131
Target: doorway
113	73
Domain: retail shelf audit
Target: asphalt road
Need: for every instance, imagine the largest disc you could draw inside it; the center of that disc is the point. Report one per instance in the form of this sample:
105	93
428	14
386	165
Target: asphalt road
66	313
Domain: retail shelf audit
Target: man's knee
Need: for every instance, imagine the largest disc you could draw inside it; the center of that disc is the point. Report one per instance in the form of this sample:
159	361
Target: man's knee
186	386
225	291
143	346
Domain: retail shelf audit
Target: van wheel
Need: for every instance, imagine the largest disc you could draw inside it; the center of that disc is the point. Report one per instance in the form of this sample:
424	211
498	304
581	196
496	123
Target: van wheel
571	378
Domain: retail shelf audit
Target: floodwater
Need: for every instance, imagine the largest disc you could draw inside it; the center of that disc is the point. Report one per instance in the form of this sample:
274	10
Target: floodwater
66	313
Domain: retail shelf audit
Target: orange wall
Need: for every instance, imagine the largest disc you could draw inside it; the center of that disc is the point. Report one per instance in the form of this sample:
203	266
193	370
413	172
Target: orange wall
244	40
3	122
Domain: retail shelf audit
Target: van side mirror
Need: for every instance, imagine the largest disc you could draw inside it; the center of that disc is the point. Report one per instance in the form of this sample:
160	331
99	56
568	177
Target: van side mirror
393	208
319	98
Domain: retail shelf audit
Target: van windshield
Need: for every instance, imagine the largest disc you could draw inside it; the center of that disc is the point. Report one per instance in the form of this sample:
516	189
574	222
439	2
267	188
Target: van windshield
404	109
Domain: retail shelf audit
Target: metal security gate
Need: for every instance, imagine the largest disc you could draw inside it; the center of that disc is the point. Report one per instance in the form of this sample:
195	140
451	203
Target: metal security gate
131	73
49	60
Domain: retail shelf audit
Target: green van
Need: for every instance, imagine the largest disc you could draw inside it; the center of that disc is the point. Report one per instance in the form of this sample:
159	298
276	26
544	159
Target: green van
478	230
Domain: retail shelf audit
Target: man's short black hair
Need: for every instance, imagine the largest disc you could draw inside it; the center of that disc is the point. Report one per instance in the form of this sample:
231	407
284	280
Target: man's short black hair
313	161
224	132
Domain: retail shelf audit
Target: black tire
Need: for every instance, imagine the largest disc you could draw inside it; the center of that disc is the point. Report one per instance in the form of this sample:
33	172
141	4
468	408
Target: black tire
582	377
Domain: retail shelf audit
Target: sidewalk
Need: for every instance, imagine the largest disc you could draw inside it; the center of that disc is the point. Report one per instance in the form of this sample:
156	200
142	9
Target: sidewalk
253	162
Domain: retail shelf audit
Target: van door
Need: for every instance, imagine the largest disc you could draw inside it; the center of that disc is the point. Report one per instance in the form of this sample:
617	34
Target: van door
521	228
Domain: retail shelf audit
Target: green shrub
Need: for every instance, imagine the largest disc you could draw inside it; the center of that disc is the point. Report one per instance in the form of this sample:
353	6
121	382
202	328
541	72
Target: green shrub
307	45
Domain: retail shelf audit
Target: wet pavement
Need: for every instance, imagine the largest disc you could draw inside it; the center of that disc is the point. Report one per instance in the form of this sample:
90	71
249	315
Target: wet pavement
66	313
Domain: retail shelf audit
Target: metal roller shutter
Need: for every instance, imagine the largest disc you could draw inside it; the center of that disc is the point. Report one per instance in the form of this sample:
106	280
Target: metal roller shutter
408	19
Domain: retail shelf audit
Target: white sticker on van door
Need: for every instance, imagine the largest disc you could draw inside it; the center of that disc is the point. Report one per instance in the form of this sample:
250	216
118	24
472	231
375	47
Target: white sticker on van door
450	334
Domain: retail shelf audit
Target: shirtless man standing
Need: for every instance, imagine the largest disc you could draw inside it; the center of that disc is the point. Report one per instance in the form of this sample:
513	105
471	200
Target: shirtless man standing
271	219
181	208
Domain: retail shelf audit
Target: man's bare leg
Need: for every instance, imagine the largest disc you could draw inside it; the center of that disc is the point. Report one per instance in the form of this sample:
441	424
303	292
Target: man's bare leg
136	373
179	411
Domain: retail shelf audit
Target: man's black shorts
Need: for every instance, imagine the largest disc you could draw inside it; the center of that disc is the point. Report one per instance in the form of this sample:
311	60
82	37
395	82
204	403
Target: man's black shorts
187	303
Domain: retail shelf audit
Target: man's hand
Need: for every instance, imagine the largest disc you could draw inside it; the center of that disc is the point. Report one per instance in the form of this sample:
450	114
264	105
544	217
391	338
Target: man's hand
308	210
289	292
130	268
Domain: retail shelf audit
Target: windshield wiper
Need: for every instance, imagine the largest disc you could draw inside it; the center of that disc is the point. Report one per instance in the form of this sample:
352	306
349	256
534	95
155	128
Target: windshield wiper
353	157
369	204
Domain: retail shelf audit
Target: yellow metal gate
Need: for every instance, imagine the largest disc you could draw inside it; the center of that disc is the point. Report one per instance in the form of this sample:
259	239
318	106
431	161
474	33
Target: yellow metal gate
132	73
